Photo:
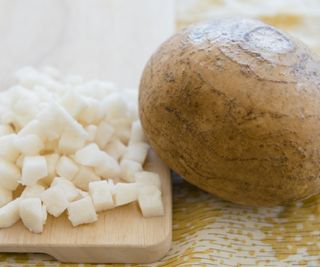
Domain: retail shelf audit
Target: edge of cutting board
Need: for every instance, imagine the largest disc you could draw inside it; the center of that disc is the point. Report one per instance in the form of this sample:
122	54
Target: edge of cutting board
121	235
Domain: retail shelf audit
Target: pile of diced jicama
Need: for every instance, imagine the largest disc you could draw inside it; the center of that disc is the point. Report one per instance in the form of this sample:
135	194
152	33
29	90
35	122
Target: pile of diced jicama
71	146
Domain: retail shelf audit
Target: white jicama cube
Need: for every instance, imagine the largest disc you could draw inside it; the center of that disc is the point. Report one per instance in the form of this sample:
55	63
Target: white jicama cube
122	130
5	129
147	178
52	160
92	131
131	96
32	191
25	106
10	117
82	211
101	194
125	193
82	194
115	106
74	103
84	176
67	168
148	190
111	185
93	113
128	169
115	149
136	152
69	123
55	120
104	134
151	205
34	168
19	121
70	191
136	135
9	214
97	89
33	128
32	214
5	196
8	150
43	95
55	200
90	155
121	123
9	175
109	167
28	76
47	118
29	145
70	143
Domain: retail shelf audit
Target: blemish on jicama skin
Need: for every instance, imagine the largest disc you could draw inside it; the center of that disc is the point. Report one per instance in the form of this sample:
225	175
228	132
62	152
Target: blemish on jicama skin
268	39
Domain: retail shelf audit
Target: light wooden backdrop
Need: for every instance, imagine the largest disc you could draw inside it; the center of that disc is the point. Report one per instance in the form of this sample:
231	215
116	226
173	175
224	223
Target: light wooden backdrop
110	39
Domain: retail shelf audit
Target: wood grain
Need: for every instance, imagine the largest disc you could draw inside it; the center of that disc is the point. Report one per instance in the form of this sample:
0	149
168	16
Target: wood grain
100	39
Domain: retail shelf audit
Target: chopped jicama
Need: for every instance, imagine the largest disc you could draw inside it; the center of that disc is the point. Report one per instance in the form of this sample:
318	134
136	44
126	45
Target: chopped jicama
9	213
115	149
128	169
52	160
8	149
33	214
136	152
125	193
67	168
55	200
5	196
147	178
151	205
92	132
90	155
109	167
5	130
104	134
29	145
84	176
101	194
136	135
70	191
33	191
69	143
82	211
34	168
9	175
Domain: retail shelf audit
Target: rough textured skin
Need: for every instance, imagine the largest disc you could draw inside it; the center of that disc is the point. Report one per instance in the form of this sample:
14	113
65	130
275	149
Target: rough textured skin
234	107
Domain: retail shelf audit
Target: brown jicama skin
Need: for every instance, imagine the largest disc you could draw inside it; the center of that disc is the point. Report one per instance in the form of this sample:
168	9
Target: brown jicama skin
234	107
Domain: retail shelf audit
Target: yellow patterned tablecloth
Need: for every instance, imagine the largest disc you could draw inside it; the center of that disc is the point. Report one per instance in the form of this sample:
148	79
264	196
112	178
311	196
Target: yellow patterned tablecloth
211	232
208	231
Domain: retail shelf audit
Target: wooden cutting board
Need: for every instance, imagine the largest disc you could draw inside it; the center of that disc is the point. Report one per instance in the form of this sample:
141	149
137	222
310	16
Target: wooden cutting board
120	235
102	39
